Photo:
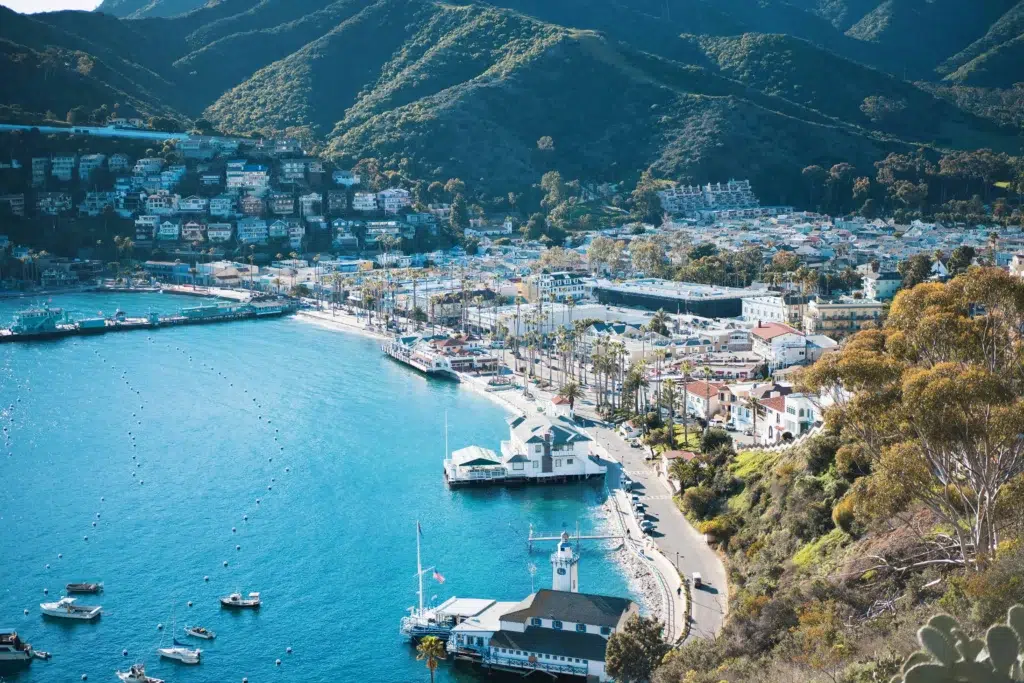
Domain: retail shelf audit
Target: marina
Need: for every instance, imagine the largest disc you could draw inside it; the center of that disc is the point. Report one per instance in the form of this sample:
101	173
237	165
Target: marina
204	447
44	322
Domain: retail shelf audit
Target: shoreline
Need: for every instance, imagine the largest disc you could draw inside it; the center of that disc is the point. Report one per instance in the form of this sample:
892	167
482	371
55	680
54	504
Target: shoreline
648	581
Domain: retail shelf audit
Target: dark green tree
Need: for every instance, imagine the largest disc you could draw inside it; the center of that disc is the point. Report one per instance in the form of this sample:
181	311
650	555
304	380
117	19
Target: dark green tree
634	652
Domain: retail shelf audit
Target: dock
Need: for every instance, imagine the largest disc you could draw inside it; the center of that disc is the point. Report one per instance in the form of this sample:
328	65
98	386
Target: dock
53	323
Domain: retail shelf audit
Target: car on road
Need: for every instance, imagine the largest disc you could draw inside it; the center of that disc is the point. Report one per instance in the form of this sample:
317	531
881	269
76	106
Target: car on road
634	443
647	526
698	581
635	499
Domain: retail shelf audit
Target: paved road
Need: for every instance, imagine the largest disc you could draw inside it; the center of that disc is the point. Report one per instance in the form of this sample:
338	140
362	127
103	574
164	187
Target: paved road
673	534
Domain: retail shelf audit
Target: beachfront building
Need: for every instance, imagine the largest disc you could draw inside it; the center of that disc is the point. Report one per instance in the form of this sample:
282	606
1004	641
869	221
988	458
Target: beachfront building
540	448
842	316
557	632
775	307
787	417
560	286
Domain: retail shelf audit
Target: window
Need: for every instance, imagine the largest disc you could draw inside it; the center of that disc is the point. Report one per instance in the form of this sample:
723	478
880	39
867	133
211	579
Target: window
568	461
606	631
535	621
536	464
582	628
557	625
558	462
561	572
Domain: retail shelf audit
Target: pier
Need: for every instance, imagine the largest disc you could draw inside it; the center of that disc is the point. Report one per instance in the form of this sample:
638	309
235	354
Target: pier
53	323
536	537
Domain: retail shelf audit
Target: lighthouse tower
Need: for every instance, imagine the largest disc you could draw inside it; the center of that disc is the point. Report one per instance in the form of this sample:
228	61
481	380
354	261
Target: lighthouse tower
565	567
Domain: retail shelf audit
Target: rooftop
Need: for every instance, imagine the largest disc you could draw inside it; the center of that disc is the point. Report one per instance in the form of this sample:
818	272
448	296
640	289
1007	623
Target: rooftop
551	642
533	429
678	290
580	608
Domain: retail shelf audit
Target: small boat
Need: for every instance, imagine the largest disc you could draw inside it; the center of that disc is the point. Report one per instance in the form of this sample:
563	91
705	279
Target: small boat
236	600
137	674
66	608
13	648
200	632
41	654
181	653
84	587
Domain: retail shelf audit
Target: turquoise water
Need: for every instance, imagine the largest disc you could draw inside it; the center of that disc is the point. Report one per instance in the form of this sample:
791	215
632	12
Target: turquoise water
214	415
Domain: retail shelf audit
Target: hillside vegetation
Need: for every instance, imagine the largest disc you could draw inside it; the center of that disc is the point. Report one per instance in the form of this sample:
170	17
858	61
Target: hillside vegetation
839	548
693	89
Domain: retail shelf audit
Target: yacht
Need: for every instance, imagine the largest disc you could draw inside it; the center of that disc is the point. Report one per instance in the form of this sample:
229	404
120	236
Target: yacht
67	608
236	600
137	674
12	648
424	621
84	587
181	653
200	632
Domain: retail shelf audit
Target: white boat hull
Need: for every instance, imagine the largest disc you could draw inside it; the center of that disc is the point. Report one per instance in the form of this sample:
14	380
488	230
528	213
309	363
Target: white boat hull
183	655
129	677
75	612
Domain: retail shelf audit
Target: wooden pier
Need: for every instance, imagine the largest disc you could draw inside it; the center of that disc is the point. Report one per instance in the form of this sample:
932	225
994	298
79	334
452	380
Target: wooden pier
534	536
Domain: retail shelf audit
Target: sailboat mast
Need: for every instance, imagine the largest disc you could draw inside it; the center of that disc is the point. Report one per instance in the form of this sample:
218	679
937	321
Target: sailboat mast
419	565
446	435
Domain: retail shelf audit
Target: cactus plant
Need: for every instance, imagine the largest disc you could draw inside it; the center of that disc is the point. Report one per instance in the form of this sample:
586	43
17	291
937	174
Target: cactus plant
950	655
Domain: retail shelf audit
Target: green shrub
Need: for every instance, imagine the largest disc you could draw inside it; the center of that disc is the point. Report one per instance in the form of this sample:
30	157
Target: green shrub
842	514
721	527
699	501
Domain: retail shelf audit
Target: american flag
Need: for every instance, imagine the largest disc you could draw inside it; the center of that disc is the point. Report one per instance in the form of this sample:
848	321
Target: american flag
438	577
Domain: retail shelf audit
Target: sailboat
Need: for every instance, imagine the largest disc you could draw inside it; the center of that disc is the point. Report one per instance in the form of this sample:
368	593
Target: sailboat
179	651
425	621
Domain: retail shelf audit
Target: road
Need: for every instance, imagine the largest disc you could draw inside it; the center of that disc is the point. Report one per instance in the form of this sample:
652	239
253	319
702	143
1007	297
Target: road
673	533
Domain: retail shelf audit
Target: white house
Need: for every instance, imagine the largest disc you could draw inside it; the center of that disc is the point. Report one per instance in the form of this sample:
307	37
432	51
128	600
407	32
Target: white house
218	232
193	204
557	632
393	200
364	201
786	417
346	178
778	345
882	286
169	231
539	448
774	307
559	285
145	227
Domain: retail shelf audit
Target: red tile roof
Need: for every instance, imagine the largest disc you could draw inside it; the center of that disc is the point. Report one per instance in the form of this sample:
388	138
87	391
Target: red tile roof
777	403
701	388
768	331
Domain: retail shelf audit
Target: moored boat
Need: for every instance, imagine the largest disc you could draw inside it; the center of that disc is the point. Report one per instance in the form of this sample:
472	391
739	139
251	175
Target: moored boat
236	601
200	632
84	587
180	652
13	648
67	608
137	674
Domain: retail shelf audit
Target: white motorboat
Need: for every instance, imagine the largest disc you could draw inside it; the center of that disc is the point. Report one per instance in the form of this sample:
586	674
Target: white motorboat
235	600
12	648
181	653
137	674
200	632
68	608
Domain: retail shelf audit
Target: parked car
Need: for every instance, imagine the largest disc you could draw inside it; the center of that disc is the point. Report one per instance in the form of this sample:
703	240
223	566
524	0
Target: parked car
697	580
647	526
634	443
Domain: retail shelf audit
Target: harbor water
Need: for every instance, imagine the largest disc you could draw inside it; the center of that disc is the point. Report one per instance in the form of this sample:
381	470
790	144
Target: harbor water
299	456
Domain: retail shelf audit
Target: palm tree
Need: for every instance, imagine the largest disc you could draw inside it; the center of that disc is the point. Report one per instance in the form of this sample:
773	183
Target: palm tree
571	392
667	398
686	367
431	650
753	404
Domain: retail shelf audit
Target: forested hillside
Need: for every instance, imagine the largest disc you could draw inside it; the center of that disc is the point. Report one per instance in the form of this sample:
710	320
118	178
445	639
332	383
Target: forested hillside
693	89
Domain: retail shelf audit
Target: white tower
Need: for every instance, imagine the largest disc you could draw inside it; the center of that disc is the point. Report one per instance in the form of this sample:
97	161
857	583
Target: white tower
565	567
